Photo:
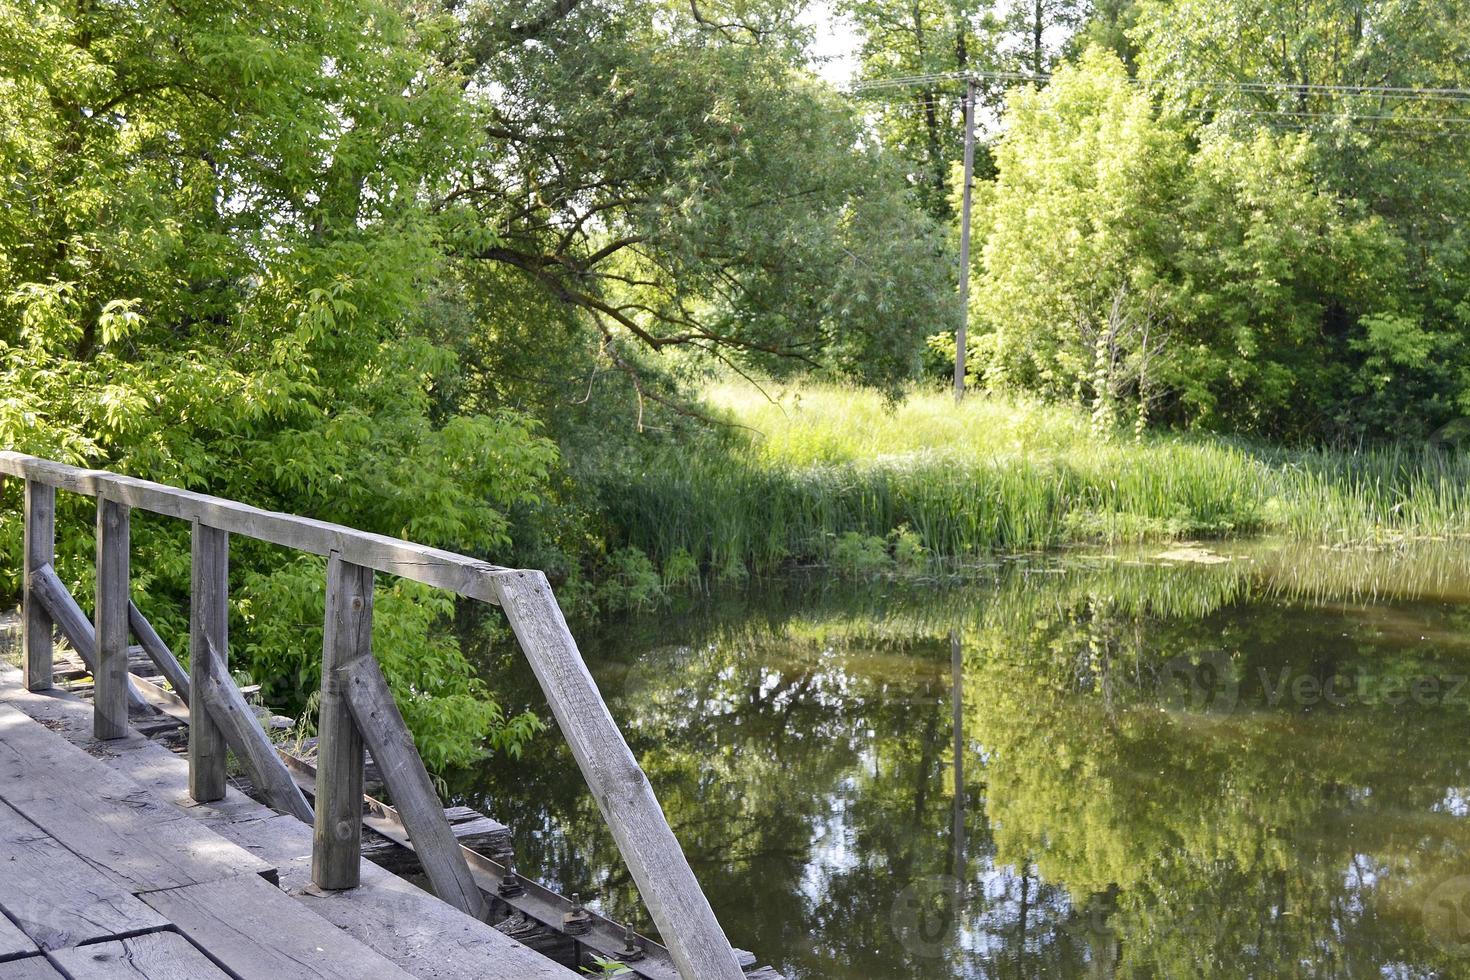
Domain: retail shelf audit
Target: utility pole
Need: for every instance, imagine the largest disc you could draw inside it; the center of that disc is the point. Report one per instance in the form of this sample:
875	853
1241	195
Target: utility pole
957	712
959	337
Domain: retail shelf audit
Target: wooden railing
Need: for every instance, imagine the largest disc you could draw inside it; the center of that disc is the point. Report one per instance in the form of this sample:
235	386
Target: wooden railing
357	707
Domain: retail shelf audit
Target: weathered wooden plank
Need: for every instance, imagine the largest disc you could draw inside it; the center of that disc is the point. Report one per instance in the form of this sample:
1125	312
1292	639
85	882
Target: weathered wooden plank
152	956
662	873
139	663
400	920
244	735
432	566
56	898
105	818
209	645
395	917
110	698
337	834
163	658
260	933
534	902
30	968
408	782
492	833
74	624
13	942
146	763
40	552
403	922
537	903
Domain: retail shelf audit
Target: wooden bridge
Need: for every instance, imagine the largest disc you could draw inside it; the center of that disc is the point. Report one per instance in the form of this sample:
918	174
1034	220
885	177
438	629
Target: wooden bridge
124	860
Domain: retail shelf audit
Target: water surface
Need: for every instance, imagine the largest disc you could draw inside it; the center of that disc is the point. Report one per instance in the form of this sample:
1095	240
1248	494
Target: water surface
1256	768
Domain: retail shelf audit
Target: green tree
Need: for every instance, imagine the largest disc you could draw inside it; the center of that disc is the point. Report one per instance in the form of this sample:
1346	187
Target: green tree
675	176
1279	281
213	244
1201	276
1372	87
923	122
1080	212
1038	31
1109	24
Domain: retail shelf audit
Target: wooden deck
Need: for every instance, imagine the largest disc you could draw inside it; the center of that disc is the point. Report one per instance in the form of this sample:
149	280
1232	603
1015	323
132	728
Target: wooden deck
109	869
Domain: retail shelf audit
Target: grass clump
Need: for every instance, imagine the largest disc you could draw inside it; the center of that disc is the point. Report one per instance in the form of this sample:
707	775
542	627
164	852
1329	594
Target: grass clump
840	475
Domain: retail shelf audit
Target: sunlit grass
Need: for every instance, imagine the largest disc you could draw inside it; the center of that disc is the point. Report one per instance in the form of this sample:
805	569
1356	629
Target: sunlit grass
814	465
833	424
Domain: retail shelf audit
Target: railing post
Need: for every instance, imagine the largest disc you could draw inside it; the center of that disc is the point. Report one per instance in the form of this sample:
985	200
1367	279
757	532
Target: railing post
209	629
40	551
110	694
336	852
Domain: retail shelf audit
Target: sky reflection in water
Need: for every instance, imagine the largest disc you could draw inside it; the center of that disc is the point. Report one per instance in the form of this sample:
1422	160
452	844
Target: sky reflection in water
1249	769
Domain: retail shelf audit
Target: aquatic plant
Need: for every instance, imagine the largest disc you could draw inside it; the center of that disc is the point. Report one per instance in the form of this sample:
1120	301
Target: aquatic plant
820	467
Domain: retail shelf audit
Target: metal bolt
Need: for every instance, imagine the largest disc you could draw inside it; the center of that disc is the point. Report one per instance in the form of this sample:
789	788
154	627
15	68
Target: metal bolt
631	951
576	922
510	885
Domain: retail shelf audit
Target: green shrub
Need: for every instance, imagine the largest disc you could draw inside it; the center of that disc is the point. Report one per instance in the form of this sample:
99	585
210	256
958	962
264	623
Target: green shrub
908	548
630	582
860	555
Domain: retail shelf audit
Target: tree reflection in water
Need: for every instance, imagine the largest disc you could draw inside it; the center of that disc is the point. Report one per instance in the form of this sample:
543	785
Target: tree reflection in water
1169	770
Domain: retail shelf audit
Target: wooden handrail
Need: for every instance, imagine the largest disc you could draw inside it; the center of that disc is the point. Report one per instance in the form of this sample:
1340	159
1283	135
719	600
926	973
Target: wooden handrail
356	706
416	562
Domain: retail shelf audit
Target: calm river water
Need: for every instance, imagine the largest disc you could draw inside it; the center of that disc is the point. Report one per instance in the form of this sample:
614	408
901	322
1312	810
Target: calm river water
1133	766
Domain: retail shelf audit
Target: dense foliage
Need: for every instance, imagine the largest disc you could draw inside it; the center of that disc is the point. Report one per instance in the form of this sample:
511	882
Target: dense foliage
214	240
1236	237
1196	276
682	188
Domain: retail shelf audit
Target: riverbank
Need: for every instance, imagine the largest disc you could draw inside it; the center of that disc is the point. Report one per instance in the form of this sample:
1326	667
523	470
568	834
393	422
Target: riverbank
837	475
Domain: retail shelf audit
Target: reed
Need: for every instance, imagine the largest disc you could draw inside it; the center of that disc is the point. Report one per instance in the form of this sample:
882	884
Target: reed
821	463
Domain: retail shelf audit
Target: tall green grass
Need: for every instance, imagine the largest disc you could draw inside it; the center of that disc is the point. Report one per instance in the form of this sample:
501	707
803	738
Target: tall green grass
822	463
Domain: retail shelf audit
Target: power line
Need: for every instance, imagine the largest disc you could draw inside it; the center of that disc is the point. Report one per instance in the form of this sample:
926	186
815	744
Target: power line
1425	122
1407	124
1433	94
1292	89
